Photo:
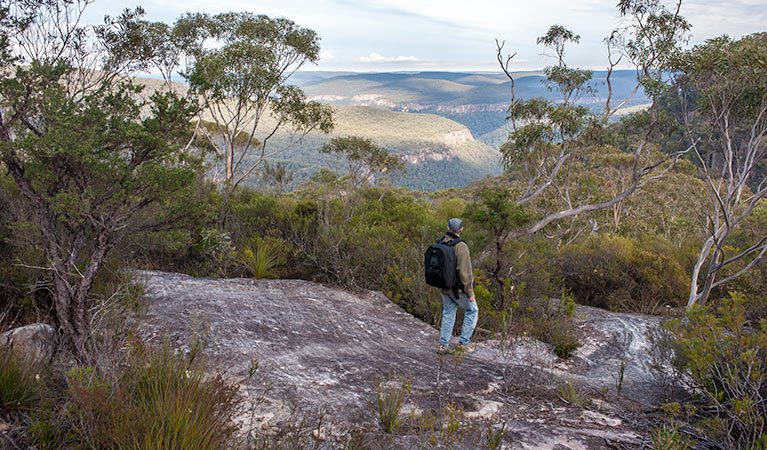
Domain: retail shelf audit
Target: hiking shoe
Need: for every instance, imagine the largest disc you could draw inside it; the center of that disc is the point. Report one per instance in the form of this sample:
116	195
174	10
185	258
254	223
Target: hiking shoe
467	348
443	349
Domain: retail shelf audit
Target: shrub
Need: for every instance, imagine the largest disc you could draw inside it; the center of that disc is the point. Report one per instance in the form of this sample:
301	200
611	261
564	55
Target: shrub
560	333
548	321
452	415
623	274
405	287
725	358
494	436
161	400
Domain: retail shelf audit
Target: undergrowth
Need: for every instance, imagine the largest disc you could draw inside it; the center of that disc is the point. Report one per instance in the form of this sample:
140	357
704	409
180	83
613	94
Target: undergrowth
160	400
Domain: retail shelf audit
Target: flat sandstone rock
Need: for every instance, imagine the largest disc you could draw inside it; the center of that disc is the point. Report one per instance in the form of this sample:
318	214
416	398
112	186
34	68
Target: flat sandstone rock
323	349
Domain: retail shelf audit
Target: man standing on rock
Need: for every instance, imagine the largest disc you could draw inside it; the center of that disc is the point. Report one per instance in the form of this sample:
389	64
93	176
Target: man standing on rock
461	296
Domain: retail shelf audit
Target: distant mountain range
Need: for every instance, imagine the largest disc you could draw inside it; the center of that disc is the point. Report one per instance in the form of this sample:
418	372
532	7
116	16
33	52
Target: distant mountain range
446	125
477	100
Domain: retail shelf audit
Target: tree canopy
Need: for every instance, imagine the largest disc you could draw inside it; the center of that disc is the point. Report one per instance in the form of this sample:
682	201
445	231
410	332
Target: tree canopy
92	161
243	84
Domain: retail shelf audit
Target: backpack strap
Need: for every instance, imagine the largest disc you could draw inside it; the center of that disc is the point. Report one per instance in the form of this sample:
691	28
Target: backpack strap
454	242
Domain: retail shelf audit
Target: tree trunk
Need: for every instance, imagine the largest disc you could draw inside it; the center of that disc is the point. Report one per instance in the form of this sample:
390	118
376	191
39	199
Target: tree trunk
71	302
702	256
710	276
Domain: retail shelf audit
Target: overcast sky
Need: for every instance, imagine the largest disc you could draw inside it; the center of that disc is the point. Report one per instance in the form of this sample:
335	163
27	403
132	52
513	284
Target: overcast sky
452	35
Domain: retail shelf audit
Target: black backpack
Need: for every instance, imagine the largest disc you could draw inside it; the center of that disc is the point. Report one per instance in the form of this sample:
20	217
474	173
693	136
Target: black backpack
440	264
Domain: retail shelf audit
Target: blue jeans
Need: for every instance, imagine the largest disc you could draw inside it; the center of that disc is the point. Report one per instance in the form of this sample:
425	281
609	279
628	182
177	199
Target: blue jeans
449	307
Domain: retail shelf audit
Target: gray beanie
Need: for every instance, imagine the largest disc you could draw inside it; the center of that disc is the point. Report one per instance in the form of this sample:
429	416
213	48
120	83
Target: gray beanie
455	224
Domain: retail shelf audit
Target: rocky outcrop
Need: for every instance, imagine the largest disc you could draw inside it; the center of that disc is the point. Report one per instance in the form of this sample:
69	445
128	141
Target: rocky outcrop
457	137
424	155
36	342
322	349
373	100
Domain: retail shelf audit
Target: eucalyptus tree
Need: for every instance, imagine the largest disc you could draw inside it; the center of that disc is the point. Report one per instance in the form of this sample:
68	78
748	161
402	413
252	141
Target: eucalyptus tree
365	158
277	177
240	65
92	162
552	143
722	85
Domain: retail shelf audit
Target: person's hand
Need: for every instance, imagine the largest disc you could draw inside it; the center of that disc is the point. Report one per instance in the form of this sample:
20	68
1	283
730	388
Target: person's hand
471	299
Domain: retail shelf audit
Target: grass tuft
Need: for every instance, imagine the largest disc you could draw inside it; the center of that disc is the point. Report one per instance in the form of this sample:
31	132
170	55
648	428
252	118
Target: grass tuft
389	400
160	401
19	381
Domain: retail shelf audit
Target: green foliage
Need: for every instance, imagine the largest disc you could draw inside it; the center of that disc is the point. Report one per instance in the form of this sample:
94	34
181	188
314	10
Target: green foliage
750	283
556	37
567	303
546	320
365	158
276	177
389	399
570	82
623	274
453	414
552	327
653	39
724	70
263	257
19	381
161	400
560	333
490	218
494	436
668	437
724	356
721	87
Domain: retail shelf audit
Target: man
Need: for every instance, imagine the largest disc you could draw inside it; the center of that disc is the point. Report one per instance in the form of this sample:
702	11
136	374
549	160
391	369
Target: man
462	296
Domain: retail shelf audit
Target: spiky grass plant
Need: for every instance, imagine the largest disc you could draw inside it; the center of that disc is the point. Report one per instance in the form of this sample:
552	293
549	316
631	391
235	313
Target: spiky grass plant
19	380
263	256
389	399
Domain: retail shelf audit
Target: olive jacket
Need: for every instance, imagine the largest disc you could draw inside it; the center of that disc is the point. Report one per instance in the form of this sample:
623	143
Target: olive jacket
463	263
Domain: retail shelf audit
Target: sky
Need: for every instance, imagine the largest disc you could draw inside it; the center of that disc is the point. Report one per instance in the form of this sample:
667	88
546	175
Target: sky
452	35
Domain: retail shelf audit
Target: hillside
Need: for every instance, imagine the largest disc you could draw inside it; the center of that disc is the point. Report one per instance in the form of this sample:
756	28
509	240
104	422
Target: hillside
439	152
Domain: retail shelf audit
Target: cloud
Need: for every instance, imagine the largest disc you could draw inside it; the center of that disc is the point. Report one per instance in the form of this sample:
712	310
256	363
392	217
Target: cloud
378	58
326	55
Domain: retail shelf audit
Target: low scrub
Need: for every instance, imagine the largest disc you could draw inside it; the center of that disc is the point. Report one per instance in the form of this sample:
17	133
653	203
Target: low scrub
624	274
549	320
724	357
160	400
668	437
389	399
